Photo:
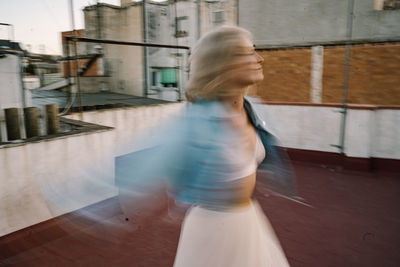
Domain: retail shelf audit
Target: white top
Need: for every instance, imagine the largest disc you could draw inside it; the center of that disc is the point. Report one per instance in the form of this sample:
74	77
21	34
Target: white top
259	151
252	165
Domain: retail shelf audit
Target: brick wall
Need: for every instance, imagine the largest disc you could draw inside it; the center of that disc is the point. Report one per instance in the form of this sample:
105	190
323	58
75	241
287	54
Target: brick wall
374	75
93	70
286	75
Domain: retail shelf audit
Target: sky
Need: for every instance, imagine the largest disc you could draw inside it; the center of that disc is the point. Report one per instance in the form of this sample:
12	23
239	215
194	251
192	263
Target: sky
38	23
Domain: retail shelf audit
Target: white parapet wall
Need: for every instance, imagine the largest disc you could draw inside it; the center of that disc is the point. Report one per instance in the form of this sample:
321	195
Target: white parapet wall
386	134
45	179
42	180
303	127
131	123
371	132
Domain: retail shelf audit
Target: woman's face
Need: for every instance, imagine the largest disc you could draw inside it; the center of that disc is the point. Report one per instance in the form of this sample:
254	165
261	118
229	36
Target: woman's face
247	63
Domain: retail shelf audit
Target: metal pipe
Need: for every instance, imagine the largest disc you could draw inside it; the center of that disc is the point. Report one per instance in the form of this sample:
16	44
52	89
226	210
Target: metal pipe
350	15
21	77
145	55
104	41
76	53
98	26
12	33
198	5
329	43
71	96
237	12
177	57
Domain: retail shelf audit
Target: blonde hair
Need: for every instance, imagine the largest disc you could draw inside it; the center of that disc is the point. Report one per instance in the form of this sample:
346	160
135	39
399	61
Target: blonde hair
210	64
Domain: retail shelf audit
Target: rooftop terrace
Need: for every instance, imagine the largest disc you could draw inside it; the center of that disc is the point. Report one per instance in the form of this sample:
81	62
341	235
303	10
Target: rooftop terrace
354	222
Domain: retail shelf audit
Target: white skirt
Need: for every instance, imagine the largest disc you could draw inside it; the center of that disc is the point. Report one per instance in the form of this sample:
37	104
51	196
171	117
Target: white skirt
241	237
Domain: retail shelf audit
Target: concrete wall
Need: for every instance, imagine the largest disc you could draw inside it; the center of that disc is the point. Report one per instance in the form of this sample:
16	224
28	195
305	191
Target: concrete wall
208	7
287	21
12	94
130	68
123	64
10	82
94	84
42	180
304	127
385	133
370	132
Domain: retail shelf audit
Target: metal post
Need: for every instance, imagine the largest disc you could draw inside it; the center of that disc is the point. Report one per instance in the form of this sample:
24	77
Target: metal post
350	15
21	78
12	33
198	5
31	115
145	54
76	56
237	12
12	124
68	73
178	56
98	20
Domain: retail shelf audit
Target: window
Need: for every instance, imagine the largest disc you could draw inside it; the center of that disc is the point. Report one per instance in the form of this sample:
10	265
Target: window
181	26
152	26
387	4
155	78
169	77
121	85
218	17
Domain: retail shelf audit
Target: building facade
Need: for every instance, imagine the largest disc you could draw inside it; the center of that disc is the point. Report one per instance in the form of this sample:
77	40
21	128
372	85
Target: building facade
155	72
303	43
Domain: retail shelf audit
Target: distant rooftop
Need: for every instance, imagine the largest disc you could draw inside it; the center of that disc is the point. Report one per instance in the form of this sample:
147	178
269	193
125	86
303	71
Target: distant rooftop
7	44
91	100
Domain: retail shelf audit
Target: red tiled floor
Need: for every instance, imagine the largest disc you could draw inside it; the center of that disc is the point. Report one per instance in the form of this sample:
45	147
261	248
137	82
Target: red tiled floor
354	222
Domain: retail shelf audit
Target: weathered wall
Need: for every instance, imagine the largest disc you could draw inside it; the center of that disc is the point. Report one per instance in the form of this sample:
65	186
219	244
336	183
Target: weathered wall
123	64
386	132
12	95
128	67
10	82
94	84
370	132
287	21
42	180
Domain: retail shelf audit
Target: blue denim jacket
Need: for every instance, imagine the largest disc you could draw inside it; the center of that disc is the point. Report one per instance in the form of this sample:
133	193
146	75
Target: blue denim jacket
195	155
275	172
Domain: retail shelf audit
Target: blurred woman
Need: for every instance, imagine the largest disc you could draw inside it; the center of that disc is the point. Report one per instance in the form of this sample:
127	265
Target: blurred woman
223	144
